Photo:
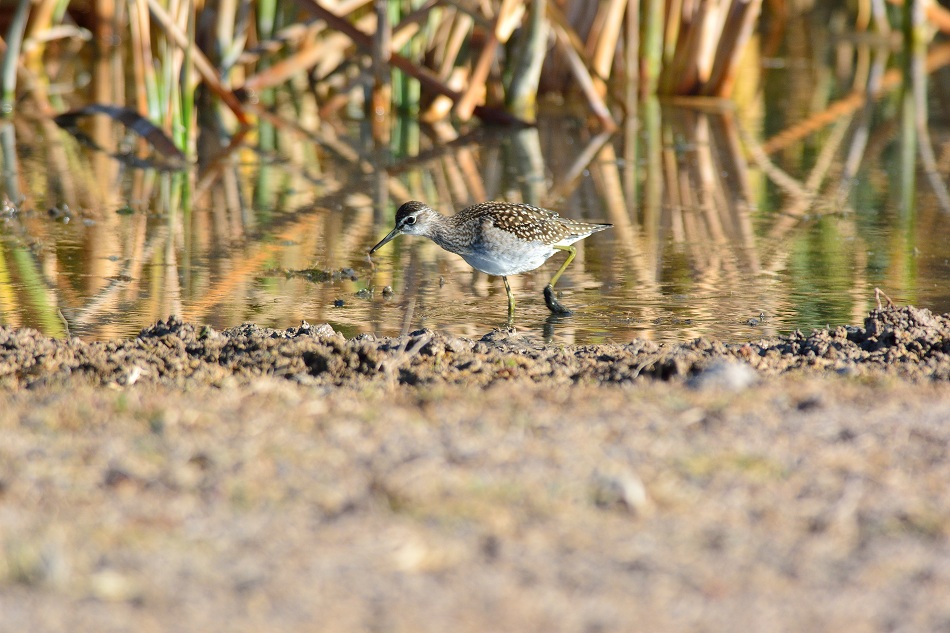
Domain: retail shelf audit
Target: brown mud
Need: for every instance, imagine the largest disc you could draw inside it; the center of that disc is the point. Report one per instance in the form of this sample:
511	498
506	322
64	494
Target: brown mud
291	480
909	342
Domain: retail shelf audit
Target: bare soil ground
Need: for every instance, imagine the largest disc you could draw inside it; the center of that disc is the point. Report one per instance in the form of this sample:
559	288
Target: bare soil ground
254	479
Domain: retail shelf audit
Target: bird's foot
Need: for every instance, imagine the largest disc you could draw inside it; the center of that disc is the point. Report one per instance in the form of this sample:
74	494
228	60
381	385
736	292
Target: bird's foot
553	304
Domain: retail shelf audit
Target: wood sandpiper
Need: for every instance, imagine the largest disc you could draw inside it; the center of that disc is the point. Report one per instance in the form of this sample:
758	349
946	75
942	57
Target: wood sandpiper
498	238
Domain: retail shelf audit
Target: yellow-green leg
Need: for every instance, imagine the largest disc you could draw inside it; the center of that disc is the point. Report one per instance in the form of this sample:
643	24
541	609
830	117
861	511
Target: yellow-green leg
511	302
553	304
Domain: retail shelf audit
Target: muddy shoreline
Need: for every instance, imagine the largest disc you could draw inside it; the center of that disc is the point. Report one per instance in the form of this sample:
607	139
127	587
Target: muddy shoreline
292	480
907	342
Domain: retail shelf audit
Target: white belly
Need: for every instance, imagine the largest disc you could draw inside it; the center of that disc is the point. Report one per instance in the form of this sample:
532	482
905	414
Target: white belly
514	259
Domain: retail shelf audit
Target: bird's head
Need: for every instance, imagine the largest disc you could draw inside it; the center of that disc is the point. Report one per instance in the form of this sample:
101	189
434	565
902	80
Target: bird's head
412	218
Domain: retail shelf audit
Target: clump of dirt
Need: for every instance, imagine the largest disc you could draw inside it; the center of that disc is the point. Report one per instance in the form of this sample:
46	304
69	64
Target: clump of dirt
908	341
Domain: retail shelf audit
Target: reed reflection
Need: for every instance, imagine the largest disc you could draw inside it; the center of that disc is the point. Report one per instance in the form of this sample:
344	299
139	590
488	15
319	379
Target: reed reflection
714	223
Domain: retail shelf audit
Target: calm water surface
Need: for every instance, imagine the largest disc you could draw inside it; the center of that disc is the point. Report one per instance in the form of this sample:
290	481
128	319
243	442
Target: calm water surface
723	226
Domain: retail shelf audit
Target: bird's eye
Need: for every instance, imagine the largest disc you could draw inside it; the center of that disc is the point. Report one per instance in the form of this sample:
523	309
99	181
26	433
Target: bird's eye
410	220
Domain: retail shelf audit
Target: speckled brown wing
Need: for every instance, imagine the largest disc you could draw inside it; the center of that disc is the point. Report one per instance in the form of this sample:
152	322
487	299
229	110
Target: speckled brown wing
577	229
522	220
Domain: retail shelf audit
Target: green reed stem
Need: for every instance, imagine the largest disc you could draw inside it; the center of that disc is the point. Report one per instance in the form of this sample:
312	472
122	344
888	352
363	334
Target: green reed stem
60	11
11	59
653	44
399	78
187	142
913	25
267	18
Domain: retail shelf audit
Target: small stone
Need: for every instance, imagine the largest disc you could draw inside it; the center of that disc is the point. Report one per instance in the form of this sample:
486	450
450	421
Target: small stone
621	488
112	586
324	330
724	375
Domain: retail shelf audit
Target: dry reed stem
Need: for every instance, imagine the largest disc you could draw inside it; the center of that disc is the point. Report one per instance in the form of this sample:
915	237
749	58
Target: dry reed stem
302	59
684	72
675	20
572	46
509	14
606	39
104	12
142	66
292	35
378	110
631	59
461	26
38	31
730	46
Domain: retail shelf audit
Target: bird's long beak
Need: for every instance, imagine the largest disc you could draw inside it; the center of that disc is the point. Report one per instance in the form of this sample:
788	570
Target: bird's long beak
386	239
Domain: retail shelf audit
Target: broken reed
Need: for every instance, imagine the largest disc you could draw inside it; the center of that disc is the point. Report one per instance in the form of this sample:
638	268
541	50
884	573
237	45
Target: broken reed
446	56
431	58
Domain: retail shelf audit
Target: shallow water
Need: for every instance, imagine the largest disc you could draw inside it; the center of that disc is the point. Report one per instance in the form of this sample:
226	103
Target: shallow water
723	227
